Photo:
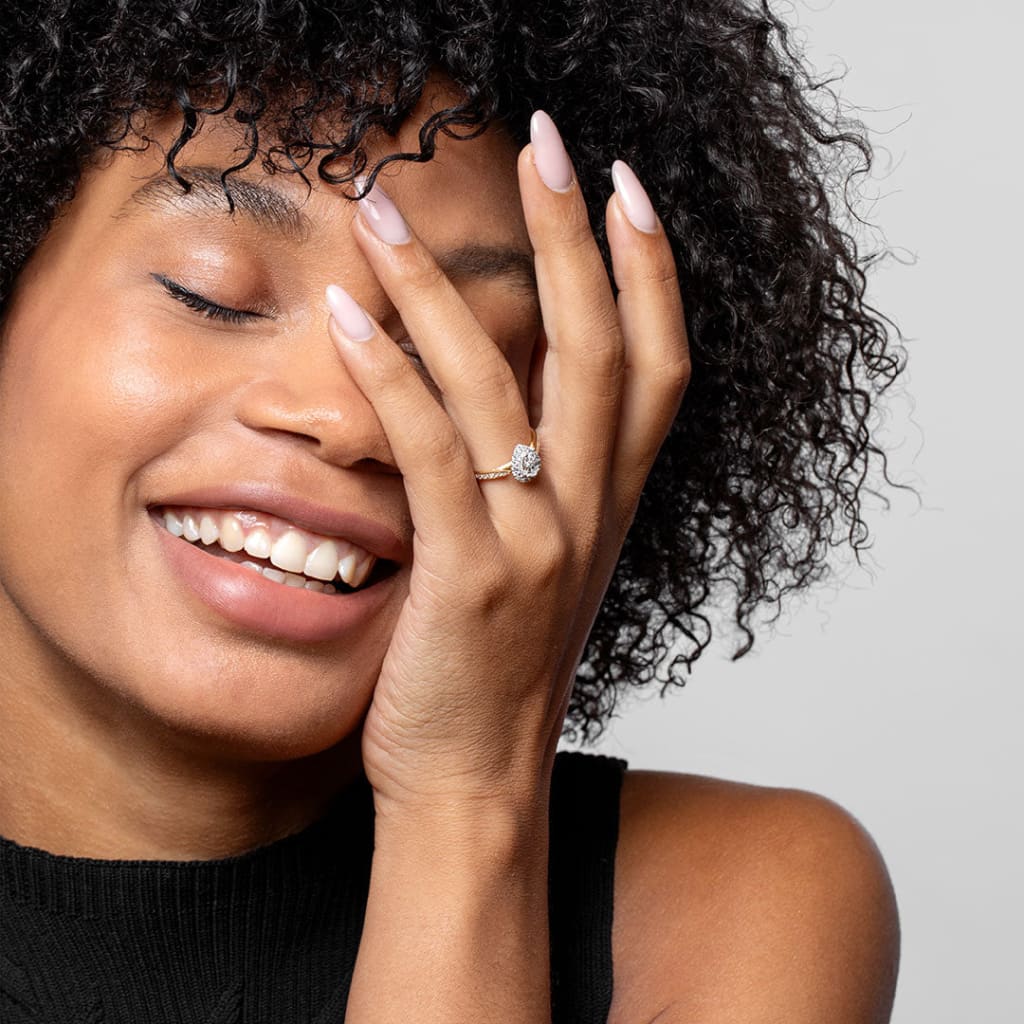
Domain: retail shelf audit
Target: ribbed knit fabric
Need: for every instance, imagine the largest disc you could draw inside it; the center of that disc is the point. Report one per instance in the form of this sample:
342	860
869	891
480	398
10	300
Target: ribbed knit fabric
584	826
270	936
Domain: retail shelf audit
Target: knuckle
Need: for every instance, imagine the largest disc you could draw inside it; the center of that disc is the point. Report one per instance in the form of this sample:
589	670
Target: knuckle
600	323
493	580
596	313
550	559
391	371
544	556
571	231
674	376
660	272
602	356
448	452
607	355
422	273
489	376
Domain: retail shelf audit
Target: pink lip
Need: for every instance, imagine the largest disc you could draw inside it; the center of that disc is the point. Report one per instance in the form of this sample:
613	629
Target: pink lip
249	600
260	497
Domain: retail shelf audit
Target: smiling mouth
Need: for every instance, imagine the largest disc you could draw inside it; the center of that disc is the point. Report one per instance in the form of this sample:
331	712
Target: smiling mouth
276	549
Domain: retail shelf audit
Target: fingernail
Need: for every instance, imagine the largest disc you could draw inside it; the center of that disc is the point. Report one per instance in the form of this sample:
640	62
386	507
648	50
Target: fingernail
382	215
549	155
634	198
348	314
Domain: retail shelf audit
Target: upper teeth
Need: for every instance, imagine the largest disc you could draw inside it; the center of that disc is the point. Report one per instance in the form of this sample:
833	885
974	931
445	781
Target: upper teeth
265	536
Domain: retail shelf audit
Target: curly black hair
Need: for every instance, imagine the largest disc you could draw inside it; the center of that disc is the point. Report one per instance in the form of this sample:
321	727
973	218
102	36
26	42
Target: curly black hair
765	470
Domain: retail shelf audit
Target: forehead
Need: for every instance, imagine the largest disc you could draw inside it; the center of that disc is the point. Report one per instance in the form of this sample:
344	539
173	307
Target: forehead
468	188
463	203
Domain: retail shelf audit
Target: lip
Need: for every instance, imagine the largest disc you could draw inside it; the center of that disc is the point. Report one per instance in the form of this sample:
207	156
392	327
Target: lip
248	600
372	536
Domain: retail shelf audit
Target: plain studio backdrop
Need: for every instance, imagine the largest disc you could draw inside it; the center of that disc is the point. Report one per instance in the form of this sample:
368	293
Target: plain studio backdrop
895	690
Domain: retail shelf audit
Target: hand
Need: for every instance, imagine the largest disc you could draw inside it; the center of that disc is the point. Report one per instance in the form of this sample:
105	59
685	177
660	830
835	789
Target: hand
507	577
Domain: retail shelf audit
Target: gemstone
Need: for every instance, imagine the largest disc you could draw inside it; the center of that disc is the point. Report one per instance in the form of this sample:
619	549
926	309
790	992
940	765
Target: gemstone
525	462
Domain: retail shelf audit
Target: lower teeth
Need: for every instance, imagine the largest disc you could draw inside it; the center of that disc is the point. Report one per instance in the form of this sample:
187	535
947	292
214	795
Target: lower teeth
289	579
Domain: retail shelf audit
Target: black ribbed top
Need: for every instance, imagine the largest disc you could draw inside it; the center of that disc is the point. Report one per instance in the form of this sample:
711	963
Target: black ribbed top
270	936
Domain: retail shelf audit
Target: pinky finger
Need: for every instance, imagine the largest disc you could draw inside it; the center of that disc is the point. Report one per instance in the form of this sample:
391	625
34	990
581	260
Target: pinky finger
651	313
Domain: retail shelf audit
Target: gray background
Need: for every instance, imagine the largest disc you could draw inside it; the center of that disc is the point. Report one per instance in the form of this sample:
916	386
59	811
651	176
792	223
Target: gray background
894	690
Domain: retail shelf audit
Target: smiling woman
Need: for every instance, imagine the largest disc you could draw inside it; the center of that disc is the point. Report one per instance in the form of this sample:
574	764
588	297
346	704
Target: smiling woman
346	468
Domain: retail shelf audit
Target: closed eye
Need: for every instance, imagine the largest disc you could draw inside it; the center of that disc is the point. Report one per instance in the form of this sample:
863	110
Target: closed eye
206	308
215	311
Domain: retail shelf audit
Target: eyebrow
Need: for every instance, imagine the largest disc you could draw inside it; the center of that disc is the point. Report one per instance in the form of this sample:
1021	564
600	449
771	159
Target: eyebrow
273	211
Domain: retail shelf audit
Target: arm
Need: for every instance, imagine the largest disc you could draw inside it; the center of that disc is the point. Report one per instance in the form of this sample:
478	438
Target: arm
456	924
507	576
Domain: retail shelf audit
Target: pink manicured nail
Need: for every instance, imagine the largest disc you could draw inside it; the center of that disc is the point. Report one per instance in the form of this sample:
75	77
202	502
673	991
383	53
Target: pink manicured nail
354	323
549	155
382	215
634	198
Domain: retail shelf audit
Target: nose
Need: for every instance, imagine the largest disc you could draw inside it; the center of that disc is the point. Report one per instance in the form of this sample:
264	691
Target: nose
303	392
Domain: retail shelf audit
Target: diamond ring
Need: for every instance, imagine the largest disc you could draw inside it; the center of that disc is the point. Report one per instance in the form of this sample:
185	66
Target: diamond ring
524	464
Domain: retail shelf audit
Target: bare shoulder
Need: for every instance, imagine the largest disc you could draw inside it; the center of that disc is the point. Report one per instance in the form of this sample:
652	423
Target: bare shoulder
740	903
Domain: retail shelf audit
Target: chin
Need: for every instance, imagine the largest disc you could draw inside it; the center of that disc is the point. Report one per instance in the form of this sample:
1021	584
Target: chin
248	703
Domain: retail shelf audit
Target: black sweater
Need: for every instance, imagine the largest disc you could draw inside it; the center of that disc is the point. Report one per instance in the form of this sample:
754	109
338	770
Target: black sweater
270	936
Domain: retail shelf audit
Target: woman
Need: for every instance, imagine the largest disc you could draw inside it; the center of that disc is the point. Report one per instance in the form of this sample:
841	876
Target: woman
315	511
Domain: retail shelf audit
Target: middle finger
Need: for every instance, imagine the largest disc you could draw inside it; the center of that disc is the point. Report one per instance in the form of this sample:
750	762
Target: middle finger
583	370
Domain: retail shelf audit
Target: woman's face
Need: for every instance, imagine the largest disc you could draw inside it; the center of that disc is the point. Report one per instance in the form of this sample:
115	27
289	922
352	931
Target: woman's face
119	400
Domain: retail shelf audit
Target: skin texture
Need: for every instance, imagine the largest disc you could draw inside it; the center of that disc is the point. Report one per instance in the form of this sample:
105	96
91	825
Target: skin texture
741	904
259	734
148	697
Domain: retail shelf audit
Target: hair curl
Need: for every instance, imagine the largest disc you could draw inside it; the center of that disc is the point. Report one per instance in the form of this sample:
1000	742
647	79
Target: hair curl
765	469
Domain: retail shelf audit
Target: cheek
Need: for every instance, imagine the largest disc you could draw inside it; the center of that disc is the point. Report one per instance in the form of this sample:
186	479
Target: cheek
77	398
87	401
85	388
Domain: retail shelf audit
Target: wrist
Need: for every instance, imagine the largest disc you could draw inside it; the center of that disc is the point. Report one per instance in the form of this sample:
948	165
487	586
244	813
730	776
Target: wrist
457	909
465	832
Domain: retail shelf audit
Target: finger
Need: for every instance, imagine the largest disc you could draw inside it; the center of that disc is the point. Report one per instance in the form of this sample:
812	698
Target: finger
428	450
478	388
657	357
583	365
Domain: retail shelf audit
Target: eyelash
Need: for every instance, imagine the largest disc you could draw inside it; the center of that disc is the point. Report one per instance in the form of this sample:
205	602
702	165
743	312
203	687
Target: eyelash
214	311
210	310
